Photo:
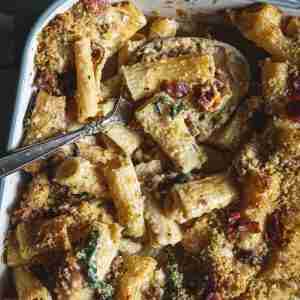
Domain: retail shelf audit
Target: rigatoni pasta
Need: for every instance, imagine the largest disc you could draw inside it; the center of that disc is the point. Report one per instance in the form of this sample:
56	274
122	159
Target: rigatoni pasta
144	79
263	190
81	177
266	33
48	118
171	134
139	272
163	28
28	286
162	230
87	92
264	27
13	257
47	236
124	54
128	140
126	192
108	243
127	19
196	198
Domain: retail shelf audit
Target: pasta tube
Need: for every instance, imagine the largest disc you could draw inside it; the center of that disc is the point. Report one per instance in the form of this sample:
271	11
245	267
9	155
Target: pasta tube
139	272
260	193
48	118
193	199
143	80
126	193
42	237
81	177
172	135
129	247
94	154
163	28
127	139
263	25
131	45
107	247
127	19
25	242
111	88
28	286
162	230
12	253
87	92
148	170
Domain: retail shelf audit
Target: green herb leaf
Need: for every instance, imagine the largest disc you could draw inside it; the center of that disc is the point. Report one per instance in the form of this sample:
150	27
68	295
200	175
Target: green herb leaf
87	256
84	195
176	109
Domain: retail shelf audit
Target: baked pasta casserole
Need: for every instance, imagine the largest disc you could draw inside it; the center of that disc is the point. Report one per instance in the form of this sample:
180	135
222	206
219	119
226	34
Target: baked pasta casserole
198	196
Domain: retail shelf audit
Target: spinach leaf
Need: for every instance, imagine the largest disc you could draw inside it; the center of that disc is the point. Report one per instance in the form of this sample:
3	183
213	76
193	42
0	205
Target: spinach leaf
87	256
176	109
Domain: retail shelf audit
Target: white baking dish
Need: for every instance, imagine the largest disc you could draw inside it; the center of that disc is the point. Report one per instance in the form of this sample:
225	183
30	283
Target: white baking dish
9	186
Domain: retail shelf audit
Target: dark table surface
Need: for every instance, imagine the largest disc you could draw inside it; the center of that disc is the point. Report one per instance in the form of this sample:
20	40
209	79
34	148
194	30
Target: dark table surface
16	19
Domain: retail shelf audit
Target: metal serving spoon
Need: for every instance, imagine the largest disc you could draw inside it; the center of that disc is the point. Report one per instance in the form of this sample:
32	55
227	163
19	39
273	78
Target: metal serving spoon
15	160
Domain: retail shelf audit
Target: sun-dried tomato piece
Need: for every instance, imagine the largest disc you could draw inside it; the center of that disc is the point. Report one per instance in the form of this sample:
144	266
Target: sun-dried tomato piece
234	217
49	82
176	89
204	95
248	226
294	98
237	224
208	95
